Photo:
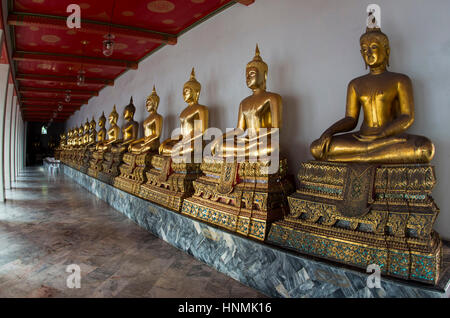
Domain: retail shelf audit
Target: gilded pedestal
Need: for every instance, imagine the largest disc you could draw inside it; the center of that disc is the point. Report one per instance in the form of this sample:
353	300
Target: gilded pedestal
95	165
86	159
133	172
240	197
169	183
110	169
362	214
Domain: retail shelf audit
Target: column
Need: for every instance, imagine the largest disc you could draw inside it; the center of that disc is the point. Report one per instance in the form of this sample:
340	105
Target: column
14	152
8	141
13	137
4	76
6	136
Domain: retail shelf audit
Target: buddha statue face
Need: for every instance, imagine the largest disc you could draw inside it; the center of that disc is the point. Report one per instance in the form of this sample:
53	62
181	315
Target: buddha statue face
92	124
188	94
113	117
255	78
191	89
101	121
375	49
152	103
86	126
129	110
256	72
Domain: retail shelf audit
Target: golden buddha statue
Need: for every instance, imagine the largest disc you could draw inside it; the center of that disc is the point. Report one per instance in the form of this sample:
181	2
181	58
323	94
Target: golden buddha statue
112	133
80	136
259	115
137	161
238	191
101	134
367	196
92	132
129	129
86	132
183	144
387	101
152	128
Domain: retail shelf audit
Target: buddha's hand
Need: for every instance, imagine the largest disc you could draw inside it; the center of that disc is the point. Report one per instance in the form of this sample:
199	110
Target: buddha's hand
324	143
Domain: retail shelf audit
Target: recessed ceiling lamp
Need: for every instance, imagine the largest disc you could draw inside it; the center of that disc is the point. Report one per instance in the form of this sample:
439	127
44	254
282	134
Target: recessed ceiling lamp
60	107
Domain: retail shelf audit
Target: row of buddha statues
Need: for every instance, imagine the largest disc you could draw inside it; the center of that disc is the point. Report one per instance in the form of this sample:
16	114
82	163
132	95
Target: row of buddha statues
366	198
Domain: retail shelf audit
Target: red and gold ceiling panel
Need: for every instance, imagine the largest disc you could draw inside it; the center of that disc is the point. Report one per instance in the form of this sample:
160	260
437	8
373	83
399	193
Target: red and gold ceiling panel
29	38
66	69
48	56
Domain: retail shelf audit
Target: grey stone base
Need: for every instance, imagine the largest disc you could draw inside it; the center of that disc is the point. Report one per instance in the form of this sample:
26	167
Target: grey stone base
268	269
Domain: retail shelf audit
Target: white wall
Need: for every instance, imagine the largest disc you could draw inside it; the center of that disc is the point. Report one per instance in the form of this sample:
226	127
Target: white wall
312	49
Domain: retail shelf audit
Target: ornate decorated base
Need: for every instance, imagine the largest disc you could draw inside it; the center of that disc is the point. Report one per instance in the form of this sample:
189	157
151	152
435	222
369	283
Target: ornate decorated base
95	165
169	183
365	214
240	197
110	169
87	157
133	172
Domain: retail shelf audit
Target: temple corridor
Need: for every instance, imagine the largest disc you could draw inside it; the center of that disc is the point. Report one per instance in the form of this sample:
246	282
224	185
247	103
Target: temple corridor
49	223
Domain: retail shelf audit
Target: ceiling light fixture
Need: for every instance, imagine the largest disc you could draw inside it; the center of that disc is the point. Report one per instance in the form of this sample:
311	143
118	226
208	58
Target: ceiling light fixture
81	72
67	98
108	43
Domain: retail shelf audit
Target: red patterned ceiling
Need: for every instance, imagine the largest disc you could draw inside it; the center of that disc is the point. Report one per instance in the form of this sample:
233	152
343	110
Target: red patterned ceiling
47	55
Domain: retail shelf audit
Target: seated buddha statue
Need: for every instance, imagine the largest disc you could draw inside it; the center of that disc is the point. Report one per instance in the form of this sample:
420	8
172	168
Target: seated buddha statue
92	136
193	120
101	134
129	129
80	139
386	99
152	128
112	134
259	116
86	133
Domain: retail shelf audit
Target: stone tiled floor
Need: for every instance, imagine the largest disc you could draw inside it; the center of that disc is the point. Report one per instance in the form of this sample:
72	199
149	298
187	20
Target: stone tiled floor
48	224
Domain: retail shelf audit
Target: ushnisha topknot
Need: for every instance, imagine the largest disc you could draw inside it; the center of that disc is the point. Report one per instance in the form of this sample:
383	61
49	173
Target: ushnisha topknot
102	117
193	83
258	62
130	107
114	112
154	95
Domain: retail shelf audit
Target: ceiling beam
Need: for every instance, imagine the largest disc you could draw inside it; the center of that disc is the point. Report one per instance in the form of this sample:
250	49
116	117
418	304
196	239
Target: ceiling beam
91	26
23	89
63	79
53	100
76	59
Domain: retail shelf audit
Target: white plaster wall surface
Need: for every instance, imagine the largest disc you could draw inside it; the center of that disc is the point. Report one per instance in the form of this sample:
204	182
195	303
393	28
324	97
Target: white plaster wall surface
312	49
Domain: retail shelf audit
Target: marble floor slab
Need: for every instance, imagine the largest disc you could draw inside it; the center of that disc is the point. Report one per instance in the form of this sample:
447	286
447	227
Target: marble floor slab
50	222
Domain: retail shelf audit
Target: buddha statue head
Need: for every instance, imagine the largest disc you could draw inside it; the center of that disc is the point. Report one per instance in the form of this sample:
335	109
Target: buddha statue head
129	110
80	130
86	126
152	101
92	124
113	117
191	89
102	120
375	48
256	72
